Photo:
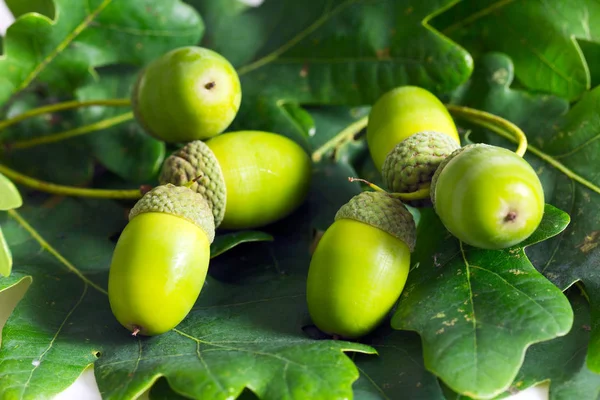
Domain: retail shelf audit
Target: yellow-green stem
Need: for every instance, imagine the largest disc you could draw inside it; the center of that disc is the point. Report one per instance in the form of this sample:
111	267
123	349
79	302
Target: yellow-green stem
47	247
369	184
493	122
510	131
416	195
63	190
57	137
420	194
496	124
545	157
347	133
67	105
48	187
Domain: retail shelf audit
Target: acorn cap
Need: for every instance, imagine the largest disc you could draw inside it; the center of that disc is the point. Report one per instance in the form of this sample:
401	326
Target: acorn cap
179	201
195	160
443	164
383	212
410	165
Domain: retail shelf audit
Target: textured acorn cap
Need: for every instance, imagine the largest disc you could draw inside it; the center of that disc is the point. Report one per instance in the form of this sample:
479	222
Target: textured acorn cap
444	163
179	201
411	163
383	212
195	160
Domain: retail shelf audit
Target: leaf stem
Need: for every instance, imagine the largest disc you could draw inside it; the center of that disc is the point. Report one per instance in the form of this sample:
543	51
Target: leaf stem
348	132
494	123
369	184
68	134
67	105
562	168
515	136
420	194
68	190
61	189
46	246
295	40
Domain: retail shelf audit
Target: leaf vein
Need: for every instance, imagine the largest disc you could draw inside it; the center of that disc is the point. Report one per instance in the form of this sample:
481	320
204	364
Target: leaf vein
373	383
474	319
213	377
562	234
47	247
477	15
63	45
578	148
144	32
545	311
41	356
296	39
249	302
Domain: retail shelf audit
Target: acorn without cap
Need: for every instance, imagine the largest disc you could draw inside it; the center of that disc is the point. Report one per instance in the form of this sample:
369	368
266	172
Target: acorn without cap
360	265
161	259
488	196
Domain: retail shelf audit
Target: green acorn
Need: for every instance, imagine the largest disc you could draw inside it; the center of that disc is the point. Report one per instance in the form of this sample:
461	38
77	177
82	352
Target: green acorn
161	259
250	178
488	196
360	265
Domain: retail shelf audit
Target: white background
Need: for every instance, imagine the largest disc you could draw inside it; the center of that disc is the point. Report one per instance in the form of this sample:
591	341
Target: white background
85	387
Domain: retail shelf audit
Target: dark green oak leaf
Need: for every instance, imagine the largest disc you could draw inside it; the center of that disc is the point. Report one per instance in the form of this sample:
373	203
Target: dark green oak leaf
20	7
338	133
227	241
562	361
162	391
538	35
468	303
563	152
344	52
591	52
124	149
241	333
86	34
397	371
67	163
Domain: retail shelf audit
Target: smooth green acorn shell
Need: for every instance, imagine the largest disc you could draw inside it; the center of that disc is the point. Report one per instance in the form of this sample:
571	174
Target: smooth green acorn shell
186	94
355	277
402	112
412	163
488	196
157	271
161	259
267	176
358	270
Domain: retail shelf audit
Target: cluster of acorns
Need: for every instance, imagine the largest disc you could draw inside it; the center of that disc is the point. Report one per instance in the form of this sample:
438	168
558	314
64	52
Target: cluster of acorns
486	196
236	180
